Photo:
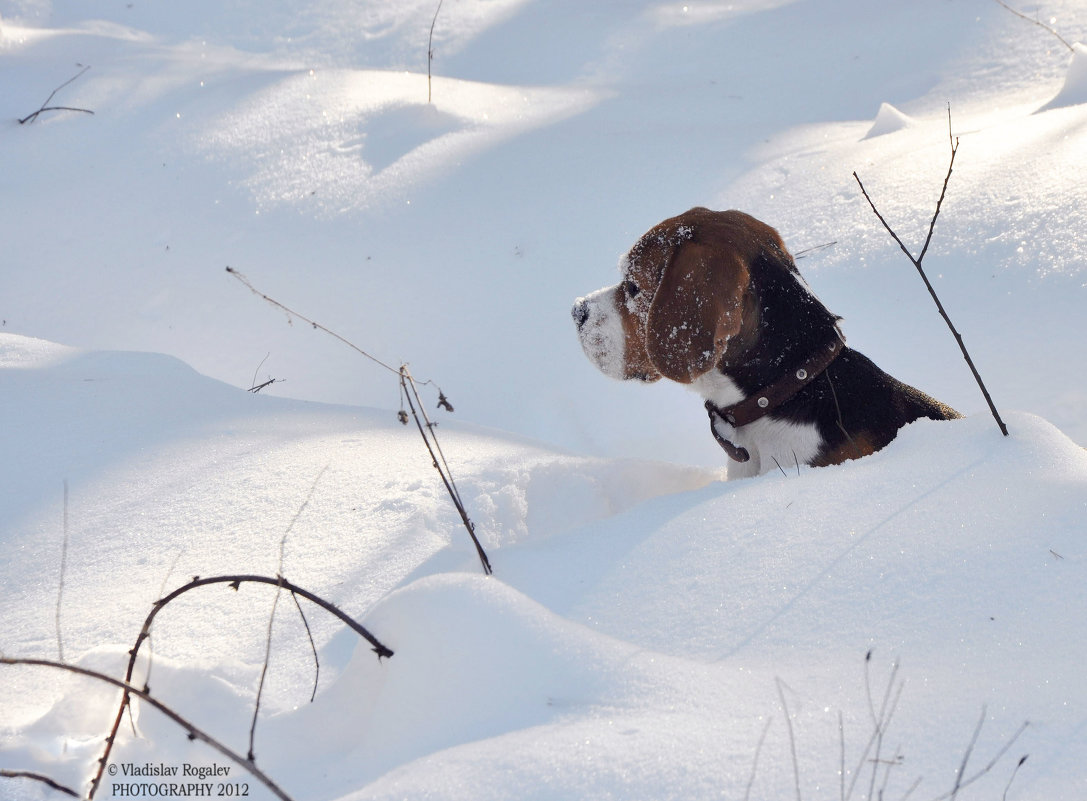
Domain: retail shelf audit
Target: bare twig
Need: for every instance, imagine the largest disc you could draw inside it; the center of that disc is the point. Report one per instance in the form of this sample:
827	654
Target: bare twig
430	49
313	647
25	774
880	721
193	731
315	325
962	783
430	439
46	107
1039	23
234	581
263	671
800	254
253	383
408	383
63	567
275	605
916	261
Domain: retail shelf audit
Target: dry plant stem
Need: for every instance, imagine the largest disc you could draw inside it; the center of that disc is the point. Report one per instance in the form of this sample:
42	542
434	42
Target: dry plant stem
880	722
407	382
275	605
917	263
234	581
792	738
755	761
46	107
315	325
962	783
25	774
193	731
429	439
263	674
313	647
430	48
1039	23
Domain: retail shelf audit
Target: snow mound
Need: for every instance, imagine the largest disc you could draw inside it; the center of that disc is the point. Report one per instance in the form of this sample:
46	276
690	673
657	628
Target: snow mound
1074	90
628	643
888	120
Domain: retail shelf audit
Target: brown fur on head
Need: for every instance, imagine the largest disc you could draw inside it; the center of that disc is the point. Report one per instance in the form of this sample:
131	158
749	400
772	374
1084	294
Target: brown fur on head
684	300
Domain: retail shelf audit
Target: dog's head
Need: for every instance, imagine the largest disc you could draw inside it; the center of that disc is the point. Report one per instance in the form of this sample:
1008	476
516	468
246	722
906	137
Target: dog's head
687	299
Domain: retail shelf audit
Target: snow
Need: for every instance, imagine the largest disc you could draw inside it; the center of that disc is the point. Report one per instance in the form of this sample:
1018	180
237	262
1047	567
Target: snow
651	630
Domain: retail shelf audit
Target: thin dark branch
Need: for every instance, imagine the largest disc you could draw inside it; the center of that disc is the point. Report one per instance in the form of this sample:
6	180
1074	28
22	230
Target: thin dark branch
259	387
34	116
315	325
235	581
800	254
964	783
1039	23
25	774
193	731
263	673
253	383
275	605
46	107
430	48
408	383
313	647
943	192
880	721
928	285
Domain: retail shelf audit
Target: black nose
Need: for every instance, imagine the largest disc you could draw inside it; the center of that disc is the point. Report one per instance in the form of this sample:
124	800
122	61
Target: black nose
580	313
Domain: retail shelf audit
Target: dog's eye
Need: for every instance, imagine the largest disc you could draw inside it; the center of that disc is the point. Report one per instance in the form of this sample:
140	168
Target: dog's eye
631	289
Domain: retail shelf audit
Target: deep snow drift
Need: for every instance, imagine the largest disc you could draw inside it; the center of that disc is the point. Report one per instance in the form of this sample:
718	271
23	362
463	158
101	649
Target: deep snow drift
629	642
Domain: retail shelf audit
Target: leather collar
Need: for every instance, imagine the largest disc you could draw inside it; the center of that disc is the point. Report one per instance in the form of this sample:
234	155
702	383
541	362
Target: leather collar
761	403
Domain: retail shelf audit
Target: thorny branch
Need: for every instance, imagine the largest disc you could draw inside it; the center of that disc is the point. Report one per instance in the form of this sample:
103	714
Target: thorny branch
194	732
430	439
315	325
916	261
25	774
234	581
409	389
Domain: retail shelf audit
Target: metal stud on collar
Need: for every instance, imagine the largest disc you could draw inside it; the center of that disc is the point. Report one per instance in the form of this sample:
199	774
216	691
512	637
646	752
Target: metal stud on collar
801	374
763	403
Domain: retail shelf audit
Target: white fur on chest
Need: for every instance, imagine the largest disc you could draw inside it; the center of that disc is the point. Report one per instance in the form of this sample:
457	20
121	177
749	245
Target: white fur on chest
771	443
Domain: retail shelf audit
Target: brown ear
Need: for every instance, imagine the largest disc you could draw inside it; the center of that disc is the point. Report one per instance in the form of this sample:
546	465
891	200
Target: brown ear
697	307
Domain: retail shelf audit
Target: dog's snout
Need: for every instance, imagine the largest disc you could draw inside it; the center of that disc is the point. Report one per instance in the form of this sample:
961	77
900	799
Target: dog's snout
580	312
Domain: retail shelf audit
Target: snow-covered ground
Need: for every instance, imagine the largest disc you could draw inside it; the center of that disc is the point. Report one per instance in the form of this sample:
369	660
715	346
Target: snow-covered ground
650	631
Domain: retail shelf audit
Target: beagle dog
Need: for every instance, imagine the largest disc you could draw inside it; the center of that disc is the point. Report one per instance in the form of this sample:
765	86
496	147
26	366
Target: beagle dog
713	300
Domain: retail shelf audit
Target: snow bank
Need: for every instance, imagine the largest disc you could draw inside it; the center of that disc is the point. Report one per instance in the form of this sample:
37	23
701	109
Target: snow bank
630	641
